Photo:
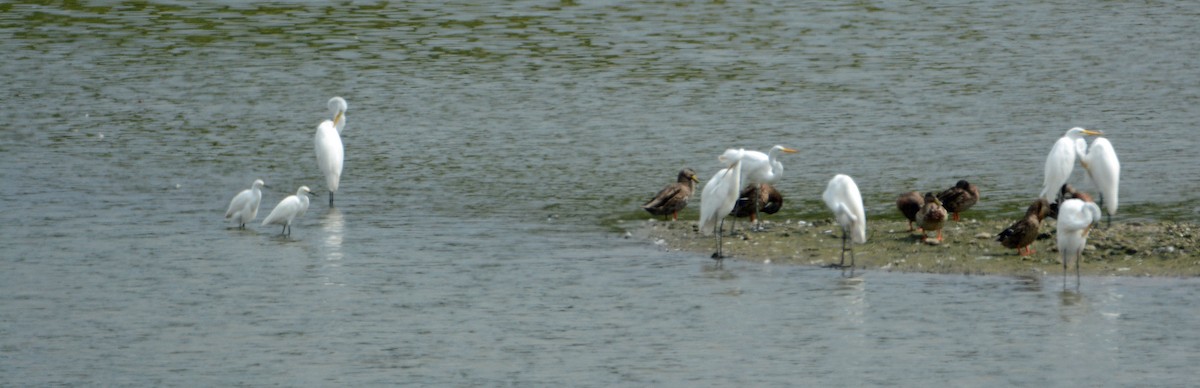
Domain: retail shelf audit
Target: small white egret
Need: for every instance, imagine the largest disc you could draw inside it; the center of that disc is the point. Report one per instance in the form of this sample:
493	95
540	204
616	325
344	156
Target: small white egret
244	206
1061	160
673	197
842	197
1075	219
288	209
718	197
329	145
758	168
1105	171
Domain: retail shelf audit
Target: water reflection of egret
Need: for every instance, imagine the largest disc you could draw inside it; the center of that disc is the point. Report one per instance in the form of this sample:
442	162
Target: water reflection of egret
333	224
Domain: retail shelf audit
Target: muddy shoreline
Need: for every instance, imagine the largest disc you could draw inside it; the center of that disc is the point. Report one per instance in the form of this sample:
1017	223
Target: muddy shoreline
1131	248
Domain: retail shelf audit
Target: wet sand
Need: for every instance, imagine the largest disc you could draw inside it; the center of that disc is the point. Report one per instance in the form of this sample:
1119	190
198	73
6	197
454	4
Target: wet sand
1131	248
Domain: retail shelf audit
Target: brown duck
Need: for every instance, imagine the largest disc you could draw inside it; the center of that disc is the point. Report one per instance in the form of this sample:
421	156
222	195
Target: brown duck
959	198
1067	192
931	217
674	197
1023	232
769	201
909	204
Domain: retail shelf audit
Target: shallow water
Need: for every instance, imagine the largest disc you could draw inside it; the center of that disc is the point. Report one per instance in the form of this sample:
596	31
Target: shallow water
487	145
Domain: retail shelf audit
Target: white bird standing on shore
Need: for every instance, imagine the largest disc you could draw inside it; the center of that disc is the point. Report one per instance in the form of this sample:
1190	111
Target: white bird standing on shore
288	209
244	206
1105	171
329	145
1075	219
842	197
719	195
1061	160
760	168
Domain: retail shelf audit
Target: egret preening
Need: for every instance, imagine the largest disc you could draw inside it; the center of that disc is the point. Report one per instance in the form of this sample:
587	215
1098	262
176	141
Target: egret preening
674	197
959	198
329	145
1105	171
1061	160
758	167
842	197
1075	219
288	209
244	206
1024	232
718	197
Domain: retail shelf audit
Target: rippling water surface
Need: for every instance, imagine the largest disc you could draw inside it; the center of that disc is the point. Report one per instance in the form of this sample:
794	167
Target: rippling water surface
489	145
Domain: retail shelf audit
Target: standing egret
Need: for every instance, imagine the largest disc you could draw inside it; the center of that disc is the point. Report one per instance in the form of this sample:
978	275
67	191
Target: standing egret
1061	160
758	167
909	204
288	209
1024	232
1075	219
842	197
959	198
931	217
718	197
1105	171
244	206
674	197
329	145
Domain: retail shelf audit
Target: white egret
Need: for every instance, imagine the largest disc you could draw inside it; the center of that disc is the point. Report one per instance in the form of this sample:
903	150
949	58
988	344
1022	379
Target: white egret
758	168
1075	219
244	206
288	209
329	145
674	197
718	197
1105	171
842	197
1061	160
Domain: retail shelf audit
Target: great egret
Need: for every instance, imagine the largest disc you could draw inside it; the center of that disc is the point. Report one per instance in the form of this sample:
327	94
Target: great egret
1105	171
288	209
931	217
758	167
244	206
959	198
1075	219
718	197
329	145
1061	160
1067	192
674	197
1024	232
768	199
909	204
842	197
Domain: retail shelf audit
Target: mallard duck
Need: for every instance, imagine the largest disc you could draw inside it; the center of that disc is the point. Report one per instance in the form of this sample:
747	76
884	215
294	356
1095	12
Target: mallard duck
931	217
769	201
909	204
1023	232
674	197
959	198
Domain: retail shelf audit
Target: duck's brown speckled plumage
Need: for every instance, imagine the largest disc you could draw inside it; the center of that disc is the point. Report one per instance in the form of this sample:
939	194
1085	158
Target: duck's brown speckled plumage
959	198
909	204
769	201
674	197
1021	234
932	216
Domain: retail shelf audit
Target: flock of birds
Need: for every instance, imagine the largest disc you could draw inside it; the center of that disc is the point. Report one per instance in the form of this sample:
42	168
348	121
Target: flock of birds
328	142
1075	211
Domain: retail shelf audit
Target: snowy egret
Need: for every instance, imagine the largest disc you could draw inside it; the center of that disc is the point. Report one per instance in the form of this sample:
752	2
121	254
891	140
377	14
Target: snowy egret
758	167
842	197
288	209
674	197
1105	171
718	197
1061	160
909	204
244	206
328	142
1021	234
959	198
931	217
1075	219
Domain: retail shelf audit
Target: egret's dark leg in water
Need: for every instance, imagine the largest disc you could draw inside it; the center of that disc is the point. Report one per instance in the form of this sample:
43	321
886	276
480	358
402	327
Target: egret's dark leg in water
845	237
330	199
720	228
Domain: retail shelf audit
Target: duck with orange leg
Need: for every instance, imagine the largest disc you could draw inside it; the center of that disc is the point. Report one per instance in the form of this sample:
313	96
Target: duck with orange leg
1024	232
909	204
931	217
959	198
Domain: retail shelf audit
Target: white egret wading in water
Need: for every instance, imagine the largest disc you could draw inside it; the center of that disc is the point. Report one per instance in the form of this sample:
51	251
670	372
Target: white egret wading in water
329	145
288	209
244	206
718	197
1075	219
842	197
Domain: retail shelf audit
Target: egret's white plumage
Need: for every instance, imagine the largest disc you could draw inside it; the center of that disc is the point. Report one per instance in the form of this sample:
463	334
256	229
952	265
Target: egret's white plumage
244	206
719	195
288	209
329	145
842	197
1105	171
1061	160
1075	220
760	168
